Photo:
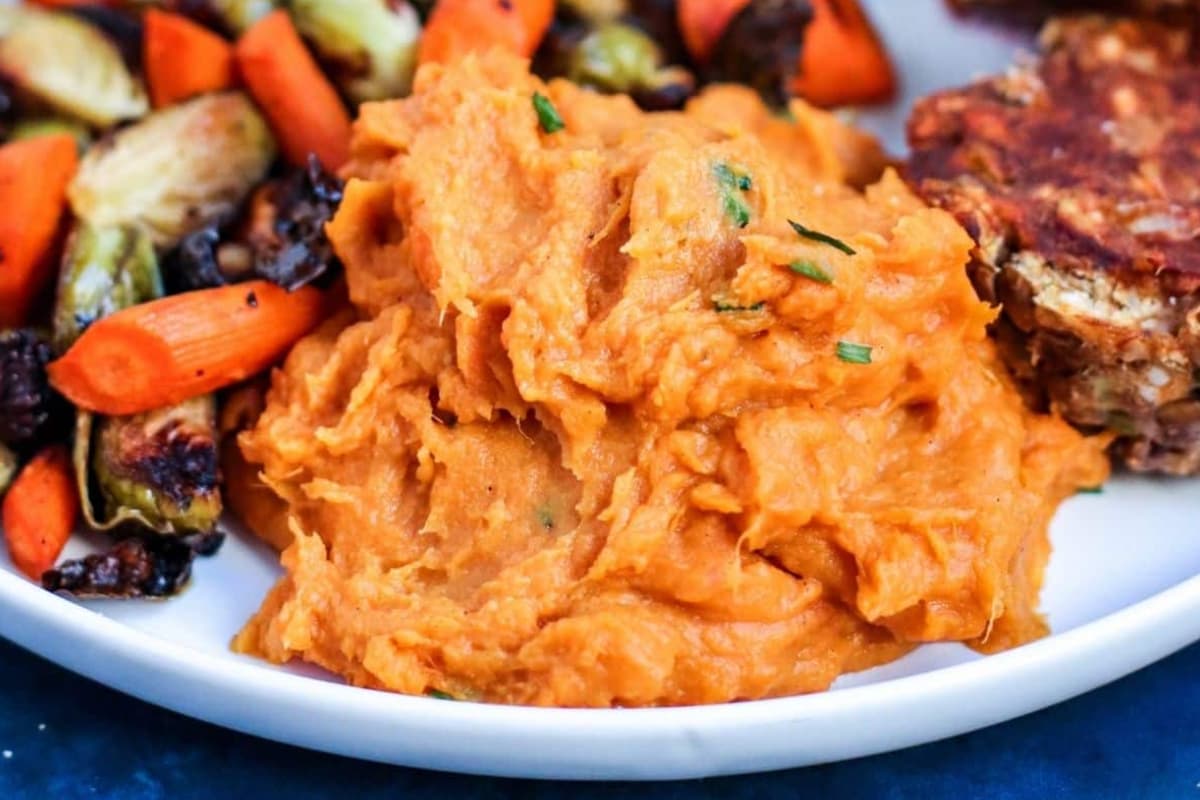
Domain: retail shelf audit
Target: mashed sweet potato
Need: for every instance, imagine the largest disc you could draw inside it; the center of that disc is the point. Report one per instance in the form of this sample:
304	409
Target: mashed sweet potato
583	440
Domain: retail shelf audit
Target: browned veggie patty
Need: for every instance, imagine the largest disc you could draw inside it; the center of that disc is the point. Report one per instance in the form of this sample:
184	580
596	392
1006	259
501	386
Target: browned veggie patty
1077	177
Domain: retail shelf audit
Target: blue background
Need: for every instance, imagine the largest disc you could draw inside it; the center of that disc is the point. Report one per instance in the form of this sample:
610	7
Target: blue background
1137	738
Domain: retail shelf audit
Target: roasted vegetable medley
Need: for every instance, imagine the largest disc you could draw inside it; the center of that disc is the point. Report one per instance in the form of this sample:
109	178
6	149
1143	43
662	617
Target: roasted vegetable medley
167	168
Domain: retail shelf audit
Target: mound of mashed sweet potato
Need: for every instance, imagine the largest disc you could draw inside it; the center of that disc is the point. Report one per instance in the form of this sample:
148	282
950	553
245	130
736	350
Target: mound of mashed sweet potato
585	440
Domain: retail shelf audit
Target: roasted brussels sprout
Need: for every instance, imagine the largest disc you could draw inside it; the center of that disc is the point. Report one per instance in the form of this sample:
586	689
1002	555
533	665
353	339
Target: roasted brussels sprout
177	170
8	467
160	468
103	270
45	126
761	47
71	66
30	410
597	11
289	240
368	46
616	57
122	29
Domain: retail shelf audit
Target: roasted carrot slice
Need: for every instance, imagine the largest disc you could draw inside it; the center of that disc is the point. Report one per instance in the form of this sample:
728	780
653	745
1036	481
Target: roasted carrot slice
301	103
34	174
842	60
458	27
703	22
163	352
183	59
40	511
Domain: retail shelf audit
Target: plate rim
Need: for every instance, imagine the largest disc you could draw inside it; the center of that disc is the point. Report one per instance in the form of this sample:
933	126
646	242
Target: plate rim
176	676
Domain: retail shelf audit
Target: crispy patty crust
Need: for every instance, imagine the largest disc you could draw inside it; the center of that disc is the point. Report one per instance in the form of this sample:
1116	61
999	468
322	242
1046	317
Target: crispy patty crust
1078	175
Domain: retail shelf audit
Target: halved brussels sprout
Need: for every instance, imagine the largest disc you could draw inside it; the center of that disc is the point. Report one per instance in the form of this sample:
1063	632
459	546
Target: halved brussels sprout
157	470
46	126
71	66
369	46
8	467
103	270
616	57
597	11
177	170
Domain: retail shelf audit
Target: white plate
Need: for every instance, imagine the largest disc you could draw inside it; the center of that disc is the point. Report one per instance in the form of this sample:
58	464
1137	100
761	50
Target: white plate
1120	594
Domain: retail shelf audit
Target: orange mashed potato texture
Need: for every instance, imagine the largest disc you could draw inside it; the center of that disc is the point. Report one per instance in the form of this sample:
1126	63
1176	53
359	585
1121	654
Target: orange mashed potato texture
584	441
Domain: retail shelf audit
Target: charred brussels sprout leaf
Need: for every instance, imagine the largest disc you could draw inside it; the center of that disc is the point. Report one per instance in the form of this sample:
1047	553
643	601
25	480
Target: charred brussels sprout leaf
368	46
30	410
177	170
761	47
291	248
71	66
103	270
142	565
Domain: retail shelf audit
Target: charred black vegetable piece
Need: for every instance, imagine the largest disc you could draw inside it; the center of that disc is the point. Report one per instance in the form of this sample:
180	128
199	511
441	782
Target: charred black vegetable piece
659	18
139	566
193	264
294	250
761	47
7	110
30	410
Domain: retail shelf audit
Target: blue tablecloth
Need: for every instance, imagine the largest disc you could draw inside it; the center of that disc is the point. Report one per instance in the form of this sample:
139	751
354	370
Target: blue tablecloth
63	737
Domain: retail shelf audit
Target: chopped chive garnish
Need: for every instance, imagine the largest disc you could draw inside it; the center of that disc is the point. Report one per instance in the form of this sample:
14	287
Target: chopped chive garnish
438	694
723	307
737	210
731	181
824	238
1090	490
810	270
547	114
854	353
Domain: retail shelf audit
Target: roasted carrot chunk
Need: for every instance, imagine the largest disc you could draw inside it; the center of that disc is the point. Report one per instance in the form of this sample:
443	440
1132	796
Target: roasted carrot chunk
183	59
40	511
34	174
304	108
703	22
842	60
166	351
458	27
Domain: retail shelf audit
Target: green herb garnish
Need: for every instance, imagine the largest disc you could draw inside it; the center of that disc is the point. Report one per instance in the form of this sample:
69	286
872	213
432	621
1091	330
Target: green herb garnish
547	114
737	210
731	182
723	307
854	353
810	270
545	518
824	238
438	694
1090	490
